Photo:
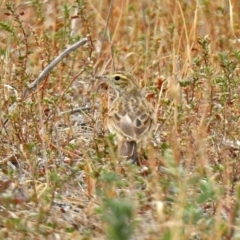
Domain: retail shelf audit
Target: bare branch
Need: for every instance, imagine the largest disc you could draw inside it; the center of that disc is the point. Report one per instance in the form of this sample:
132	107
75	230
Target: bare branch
43	74
59	58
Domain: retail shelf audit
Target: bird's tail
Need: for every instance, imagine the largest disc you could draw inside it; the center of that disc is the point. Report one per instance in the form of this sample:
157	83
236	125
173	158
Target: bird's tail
128	149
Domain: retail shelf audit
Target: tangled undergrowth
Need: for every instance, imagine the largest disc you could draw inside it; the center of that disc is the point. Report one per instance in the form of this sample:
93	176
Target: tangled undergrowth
60	177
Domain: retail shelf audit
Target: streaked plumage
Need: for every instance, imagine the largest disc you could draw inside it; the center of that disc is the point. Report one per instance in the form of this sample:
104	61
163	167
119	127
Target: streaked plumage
131	116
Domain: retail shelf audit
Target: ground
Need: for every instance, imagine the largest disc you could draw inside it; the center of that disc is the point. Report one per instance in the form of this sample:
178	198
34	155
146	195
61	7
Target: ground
60	175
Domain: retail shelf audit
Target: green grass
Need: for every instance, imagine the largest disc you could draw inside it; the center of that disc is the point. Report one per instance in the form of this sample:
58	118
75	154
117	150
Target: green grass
60	176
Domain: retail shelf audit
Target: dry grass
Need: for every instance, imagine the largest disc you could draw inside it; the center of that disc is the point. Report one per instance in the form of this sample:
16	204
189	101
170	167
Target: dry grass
60	177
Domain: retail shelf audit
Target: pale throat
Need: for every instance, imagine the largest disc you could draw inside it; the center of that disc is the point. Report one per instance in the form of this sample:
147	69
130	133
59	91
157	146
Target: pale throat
130	89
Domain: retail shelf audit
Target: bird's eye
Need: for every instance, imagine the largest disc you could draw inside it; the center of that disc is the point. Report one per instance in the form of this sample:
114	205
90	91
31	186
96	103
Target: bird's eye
117	78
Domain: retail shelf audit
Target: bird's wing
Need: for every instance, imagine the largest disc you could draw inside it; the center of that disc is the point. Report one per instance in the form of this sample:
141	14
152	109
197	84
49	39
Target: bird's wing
133	124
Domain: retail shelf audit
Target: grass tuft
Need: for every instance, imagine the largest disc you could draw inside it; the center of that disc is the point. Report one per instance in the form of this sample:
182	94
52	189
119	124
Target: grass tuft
60	176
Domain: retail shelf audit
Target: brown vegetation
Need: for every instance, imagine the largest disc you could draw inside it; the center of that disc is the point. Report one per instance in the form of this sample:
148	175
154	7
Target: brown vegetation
60	177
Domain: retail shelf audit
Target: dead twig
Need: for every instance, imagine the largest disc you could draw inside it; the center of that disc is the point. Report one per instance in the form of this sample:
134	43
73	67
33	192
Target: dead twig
59	58
44	73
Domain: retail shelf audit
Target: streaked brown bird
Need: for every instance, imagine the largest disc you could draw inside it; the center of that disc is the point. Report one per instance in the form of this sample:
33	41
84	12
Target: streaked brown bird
131	117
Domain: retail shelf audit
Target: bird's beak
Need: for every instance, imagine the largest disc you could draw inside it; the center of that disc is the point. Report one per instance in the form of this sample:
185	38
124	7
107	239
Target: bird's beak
102	80
102	77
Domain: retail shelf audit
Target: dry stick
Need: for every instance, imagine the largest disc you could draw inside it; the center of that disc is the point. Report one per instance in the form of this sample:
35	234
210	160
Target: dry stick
43	74
106	26
76	110
105	32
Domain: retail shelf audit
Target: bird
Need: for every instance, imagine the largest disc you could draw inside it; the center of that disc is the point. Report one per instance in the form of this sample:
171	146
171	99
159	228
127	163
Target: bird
131	117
